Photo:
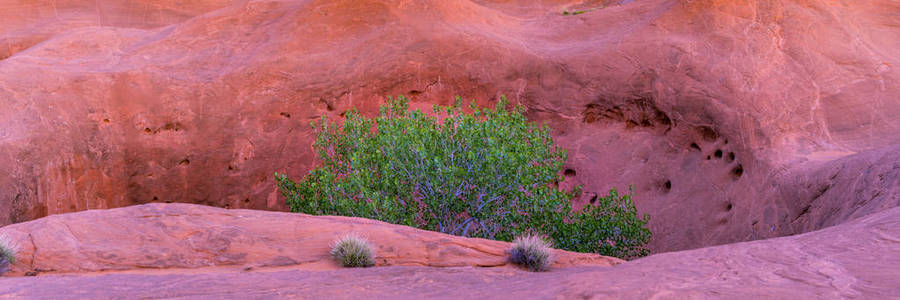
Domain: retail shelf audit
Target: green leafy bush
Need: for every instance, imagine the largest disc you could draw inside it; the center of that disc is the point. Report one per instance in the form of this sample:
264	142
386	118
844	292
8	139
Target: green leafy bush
532	252
353	251
489	173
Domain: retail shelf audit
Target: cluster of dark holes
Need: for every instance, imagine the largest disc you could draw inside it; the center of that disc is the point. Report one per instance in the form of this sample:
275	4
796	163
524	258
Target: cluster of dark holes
710	134
167	127
719	154
736	172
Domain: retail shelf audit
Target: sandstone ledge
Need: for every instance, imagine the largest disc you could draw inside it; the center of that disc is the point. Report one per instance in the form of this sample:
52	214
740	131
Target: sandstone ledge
162	236
856	259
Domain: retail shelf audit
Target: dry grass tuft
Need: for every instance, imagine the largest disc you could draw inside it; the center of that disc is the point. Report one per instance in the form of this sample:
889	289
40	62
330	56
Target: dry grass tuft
532	252
353	251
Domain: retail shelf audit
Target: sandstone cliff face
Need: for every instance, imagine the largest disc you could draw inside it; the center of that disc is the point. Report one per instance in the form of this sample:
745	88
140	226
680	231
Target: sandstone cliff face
735	120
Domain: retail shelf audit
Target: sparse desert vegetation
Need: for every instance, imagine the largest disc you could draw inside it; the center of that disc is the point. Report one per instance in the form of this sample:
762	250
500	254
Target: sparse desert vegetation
7	255
353	251
533	252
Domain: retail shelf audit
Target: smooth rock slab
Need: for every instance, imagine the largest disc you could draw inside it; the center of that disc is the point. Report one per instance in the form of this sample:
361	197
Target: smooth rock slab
160	236
857	259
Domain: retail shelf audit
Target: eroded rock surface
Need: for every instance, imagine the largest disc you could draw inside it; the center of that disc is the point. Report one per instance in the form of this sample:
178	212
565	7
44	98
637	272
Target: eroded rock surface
856	259
735	120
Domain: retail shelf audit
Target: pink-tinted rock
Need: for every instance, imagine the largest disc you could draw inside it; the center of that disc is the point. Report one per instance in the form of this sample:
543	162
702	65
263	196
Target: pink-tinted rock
856	259
165	236
735	120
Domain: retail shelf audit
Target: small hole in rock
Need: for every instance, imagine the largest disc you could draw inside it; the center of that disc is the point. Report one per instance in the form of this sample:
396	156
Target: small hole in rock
708	157
718	153
286	115
569	172
184	162
147	130
415	92
728	206
230	168
594	199
737	172
730	157
168	201
155	198
106	121
247	200
668	185
695	146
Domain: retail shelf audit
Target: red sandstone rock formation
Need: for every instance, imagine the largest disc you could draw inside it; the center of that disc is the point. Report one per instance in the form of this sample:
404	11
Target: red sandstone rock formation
735	120
154	251
182	236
